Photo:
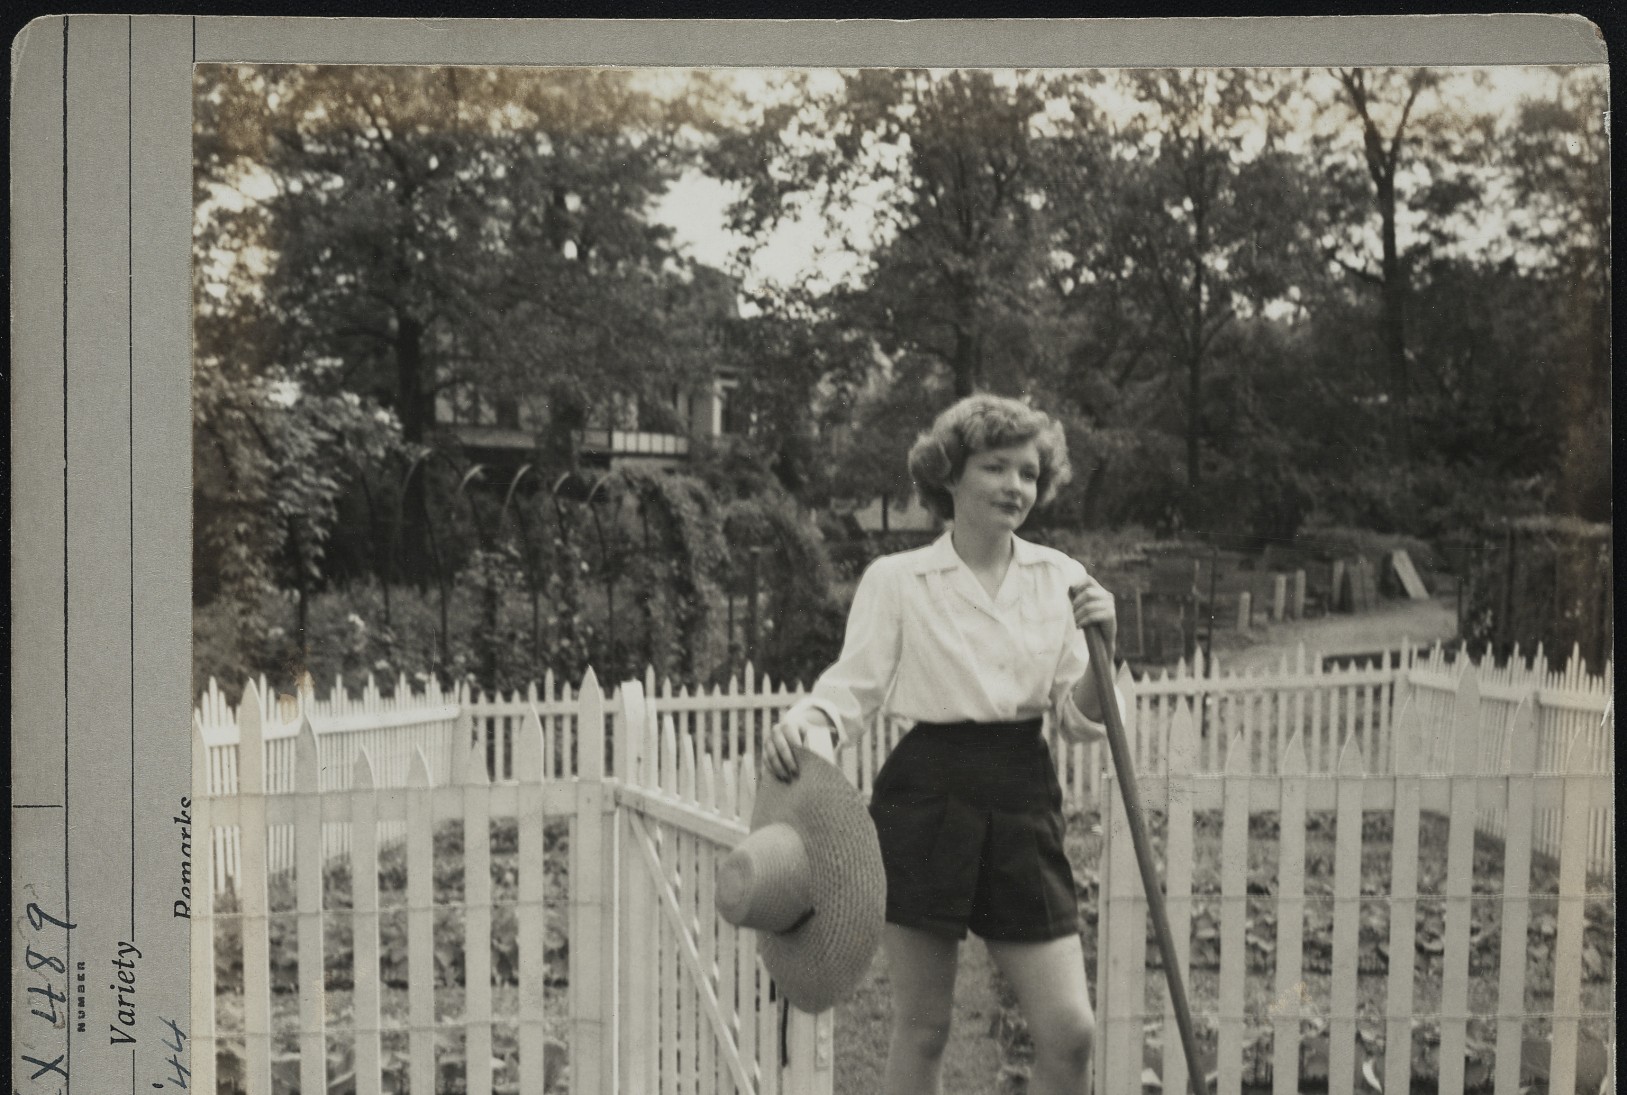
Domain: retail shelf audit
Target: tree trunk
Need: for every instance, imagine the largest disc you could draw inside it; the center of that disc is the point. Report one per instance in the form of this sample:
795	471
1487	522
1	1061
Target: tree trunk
1194	366
1194	379
1394	294
416	407
967	363
489	641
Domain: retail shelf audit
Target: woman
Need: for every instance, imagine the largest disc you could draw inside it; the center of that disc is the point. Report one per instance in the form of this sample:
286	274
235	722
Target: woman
975	638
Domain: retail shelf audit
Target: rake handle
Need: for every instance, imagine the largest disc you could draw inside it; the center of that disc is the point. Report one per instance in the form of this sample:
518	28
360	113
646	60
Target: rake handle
1101	664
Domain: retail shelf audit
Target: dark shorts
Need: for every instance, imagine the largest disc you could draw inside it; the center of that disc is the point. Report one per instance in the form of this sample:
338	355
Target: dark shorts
970	821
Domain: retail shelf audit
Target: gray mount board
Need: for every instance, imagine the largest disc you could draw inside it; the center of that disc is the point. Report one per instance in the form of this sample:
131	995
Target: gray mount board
101	432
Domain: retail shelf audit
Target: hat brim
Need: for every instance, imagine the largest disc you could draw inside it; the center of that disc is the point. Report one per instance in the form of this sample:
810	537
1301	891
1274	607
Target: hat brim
820	962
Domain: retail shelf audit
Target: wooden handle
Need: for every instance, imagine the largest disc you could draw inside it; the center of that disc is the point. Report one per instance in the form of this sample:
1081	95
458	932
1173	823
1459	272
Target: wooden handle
1101	665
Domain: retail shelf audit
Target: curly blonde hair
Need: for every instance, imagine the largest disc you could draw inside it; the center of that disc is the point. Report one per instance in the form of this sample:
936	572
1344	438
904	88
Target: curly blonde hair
978	423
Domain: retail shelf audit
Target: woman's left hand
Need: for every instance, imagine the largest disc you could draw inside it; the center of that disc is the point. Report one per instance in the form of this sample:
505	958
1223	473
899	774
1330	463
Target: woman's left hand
1093	604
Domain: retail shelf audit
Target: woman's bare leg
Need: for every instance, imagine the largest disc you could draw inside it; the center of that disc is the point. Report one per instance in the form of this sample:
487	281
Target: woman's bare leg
1049	979
922	969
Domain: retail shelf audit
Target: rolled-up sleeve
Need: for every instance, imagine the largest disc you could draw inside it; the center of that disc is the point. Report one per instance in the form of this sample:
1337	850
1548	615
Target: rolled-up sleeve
853	688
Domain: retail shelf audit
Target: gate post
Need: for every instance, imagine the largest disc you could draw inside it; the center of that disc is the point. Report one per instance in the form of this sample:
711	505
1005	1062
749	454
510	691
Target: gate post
592	879
810	1045
629	1030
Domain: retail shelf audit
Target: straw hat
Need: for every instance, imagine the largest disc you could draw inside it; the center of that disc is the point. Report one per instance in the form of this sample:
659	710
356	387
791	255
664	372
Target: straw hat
809	879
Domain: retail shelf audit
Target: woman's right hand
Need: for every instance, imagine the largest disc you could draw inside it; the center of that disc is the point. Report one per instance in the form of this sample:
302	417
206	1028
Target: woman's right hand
808	729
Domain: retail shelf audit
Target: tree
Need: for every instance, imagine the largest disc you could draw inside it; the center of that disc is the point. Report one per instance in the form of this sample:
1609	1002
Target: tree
1409	163
1199	227
435	232
1558	151
794	367
871	454
936	170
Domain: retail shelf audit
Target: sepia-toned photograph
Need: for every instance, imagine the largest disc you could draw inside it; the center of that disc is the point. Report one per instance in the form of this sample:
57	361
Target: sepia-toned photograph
677	552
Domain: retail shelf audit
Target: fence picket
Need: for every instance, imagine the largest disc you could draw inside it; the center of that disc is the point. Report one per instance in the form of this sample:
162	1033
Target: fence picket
650	751
531	913
1463	762
1398	1009
689	1019
1125	969
1568	936
1327	761
1516	904
364	879
1233	915
477	920
1183	750
308	859
750	1003
1316	740
640	1037
669	757
1369	729
770	1008
714	1073
252	894
728	994
420	926
670	965
1290	939
1346	921
591	968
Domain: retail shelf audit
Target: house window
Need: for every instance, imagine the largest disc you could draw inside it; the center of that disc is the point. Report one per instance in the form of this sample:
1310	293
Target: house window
731	417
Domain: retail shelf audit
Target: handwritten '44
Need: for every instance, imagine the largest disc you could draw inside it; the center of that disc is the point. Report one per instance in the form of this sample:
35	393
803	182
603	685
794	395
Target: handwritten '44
175	1042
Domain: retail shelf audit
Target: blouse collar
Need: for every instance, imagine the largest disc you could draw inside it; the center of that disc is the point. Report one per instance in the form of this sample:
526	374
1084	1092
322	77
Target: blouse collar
941	555
942	559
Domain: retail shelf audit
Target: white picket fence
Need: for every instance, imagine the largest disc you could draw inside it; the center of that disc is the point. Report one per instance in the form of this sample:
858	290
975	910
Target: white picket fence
1330	705
1287	1010
659	995
654	784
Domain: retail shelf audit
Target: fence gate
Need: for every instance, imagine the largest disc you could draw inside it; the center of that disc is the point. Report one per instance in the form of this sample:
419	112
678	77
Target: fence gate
696	1010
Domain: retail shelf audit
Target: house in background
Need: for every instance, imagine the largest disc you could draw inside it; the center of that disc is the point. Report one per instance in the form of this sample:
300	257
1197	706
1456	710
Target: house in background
657	432
507	432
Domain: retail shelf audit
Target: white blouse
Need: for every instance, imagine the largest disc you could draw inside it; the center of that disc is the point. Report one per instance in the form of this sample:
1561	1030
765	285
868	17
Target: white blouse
926	642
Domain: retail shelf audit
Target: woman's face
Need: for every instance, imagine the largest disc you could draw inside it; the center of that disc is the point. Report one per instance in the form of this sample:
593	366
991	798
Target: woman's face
997	487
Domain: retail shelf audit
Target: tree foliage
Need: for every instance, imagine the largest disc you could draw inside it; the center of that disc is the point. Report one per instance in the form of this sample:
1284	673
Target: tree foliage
1364	297
415	235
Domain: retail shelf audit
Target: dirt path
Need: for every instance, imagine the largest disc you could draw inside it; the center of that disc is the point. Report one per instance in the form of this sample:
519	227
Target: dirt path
1384	628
